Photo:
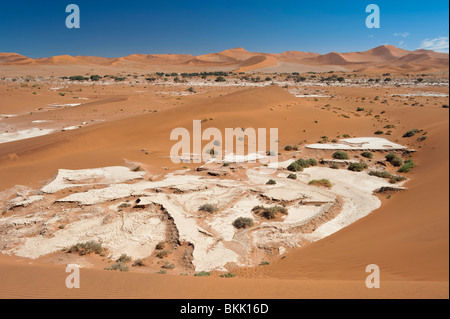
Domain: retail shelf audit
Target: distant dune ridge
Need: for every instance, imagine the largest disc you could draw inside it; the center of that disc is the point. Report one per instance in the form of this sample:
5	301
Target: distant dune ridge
241	60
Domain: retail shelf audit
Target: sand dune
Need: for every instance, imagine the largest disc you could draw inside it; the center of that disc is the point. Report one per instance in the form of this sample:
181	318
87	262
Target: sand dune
241	60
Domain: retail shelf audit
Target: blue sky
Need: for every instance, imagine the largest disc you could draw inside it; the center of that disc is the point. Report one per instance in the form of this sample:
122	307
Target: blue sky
118	28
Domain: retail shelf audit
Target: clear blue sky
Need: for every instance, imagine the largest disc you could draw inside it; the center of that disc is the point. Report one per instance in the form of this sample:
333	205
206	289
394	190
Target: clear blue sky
118	28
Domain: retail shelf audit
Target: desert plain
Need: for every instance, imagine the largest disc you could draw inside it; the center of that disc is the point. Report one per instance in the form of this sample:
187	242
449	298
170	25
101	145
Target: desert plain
87	176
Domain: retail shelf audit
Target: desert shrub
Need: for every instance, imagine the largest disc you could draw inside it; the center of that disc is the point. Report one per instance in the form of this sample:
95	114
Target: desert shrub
161	272
381	174
264	263
228	275
271	182
340	155
288	148
162	254
78	78
360	109
124	258
396	179
334	166
95	78
300	164
191	89
243	222
410	133
422	138
357	167
209	208
321	182
292	176
270	212
119	79
160	245
221	79
394	159
86	248
124	205
119	267
138	263
203	274
409	164
168	266
379	133
367	154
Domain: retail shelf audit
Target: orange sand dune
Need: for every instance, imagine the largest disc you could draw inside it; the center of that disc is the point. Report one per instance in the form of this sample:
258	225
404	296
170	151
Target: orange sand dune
241	60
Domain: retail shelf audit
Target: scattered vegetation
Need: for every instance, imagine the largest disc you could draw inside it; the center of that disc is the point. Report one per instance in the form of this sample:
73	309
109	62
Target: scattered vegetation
264	263
228	275
86	248
162	254
409	164
340	155
138	263
271	182
292	176
208	208
367	155
394	159
119	267
243	222
124	258
269	212
410	133
203	274
160	245
301	164
357	167
321	182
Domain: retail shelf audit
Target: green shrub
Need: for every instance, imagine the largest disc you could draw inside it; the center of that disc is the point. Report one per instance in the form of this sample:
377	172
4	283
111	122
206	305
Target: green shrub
228	275
360	109
340	155
410	133
264	263
379	133
119	267
86	248
288	148
221	79
321	182
301	164
271	182
381	174
209	208
124	258
357	167
394	159
292	176
203	274
367	154
243	222
409	164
